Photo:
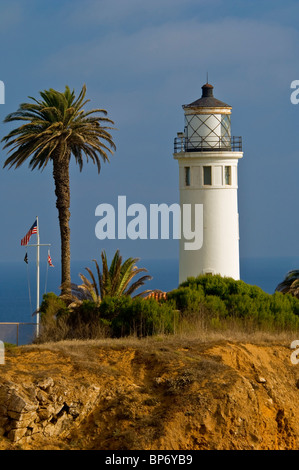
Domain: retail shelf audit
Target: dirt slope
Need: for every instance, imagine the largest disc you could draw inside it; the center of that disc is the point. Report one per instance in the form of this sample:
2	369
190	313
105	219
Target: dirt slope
150	394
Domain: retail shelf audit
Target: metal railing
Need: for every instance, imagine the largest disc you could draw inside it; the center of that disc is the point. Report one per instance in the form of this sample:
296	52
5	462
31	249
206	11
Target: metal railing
207	144
18	333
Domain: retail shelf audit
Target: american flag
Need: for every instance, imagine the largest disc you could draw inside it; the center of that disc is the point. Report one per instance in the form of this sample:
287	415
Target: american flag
33	230
50	260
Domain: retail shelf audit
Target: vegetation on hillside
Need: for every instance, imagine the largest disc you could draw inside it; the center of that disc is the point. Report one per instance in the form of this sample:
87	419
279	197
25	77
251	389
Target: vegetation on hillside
224	301
204	303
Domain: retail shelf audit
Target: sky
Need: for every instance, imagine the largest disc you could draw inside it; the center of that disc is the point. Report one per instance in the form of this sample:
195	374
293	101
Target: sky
141	61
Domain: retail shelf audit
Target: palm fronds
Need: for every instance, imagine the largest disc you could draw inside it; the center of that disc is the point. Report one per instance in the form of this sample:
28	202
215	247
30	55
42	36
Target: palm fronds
290	284
58	120
113	281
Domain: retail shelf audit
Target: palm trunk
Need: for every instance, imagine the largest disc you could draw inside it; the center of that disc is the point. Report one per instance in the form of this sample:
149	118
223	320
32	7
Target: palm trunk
62	191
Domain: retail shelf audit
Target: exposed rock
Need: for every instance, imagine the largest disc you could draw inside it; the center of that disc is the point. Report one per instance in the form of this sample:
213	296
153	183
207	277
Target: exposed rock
261	380
46	384
183	396
31	410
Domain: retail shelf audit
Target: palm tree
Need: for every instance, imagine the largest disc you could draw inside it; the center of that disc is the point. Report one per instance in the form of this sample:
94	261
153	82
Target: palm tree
290	284
55	128
113	281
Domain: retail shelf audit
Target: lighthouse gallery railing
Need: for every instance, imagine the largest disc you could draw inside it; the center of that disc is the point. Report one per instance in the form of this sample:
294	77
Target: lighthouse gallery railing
206	144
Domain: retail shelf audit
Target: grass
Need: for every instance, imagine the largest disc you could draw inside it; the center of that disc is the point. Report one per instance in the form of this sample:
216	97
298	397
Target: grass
184	340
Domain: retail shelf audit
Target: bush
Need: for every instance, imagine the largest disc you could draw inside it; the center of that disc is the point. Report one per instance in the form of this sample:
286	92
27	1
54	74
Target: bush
52	306
222	287
215	307
138	316
223	300
186	298
58	322
203	302
114	317
85	322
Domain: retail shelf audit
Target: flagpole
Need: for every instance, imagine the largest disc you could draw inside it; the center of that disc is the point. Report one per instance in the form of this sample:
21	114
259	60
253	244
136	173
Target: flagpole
24	242
37	278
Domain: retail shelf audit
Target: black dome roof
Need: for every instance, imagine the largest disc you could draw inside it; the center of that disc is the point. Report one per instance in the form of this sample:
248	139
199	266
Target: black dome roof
207	99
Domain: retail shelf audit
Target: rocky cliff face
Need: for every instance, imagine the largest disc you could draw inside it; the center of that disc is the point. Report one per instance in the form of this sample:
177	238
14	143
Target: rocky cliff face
140	395
44	408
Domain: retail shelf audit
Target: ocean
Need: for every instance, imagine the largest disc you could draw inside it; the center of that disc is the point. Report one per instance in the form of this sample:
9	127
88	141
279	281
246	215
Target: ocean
18	286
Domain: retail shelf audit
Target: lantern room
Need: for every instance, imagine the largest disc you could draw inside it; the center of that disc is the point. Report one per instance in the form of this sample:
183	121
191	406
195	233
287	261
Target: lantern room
207	125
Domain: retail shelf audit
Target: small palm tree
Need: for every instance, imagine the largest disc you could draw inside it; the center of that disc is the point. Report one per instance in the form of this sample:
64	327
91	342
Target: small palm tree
290	284
113	281
54	128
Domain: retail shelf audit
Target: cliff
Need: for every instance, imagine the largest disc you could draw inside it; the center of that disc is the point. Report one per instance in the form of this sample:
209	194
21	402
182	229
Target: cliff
150	394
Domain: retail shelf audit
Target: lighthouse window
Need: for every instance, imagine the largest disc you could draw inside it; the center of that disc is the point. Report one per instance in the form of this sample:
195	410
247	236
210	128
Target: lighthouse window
187	175
228	179
207	175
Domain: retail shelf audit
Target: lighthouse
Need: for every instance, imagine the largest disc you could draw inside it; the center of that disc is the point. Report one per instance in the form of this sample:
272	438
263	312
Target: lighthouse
208	158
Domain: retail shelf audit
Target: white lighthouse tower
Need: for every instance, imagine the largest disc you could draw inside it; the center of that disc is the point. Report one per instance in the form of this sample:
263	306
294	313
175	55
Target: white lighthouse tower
208	175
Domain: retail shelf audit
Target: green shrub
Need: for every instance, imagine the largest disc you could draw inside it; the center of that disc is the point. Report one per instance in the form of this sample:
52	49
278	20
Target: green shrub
203	302
138	316
222	287
224	299
85	321
52	306
186	298
215	306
